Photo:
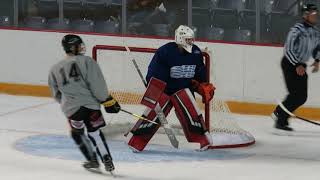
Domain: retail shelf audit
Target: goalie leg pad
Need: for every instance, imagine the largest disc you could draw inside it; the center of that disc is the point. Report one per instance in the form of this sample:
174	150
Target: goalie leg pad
143	131
190	117
153	93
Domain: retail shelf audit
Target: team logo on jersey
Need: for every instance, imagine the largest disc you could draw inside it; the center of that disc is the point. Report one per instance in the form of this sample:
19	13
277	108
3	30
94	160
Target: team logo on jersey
184	71
197	52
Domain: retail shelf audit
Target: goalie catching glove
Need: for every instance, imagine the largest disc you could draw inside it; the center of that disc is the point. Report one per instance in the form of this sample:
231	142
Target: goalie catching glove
206	90
111	105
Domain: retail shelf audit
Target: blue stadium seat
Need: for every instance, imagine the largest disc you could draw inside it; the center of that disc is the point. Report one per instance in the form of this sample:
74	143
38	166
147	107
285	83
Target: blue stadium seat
282	6
171	17
202	11
251	4
227	15
73	8
72	3
107	27
161	29
35	22
212	33
84	25
267	6
280	25
311	2
201	17
96	3
57	25
115	2
233	4
96	8
226	19
248	20
238	35
5	21
135	28
205	3
48	8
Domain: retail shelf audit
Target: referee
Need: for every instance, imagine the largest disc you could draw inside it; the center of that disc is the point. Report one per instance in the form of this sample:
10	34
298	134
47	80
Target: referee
302	43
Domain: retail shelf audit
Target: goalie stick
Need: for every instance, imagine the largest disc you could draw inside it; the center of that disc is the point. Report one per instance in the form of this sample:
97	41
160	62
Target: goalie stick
137	116
295	116
162	118
167	129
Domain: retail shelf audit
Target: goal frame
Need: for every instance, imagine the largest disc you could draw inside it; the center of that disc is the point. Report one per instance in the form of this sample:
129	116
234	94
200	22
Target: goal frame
207	60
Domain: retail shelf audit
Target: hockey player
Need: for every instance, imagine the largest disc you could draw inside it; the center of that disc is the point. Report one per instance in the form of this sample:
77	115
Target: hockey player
77	83
180	66
302	43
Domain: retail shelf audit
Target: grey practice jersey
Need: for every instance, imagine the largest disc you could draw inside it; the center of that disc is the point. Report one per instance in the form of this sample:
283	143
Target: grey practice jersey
77	81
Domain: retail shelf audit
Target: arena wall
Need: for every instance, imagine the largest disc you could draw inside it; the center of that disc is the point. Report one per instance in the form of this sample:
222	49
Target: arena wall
248	76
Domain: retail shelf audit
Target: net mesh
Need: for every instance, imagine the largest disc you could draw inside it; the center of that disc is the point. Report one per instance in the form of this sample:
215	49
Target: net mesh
126	86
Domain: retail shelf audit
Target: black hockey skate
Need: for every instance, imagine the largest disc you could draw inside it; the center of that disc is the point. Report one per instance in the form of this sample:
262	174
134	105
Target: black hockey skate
108	164
281	125
93	164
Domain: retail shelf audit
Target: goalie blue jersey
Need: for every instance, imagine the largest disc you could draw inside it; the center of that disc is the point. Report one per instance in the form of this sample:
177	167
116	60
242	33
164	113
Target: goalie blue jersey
177	68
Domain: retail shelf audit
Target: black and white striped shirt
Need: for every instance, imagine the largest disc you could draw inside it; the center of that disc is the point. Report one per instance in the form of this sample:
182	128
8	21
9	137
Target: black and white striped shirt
303	42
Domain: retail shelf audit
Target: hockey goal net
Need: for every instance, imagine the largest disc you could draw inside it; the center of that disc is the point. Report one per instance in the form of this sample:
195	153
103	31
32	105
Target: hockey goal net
126	86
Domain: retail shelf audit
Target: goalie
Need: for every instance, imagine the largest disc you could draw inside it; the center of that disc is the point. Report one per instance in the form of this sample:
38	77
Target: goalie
180	68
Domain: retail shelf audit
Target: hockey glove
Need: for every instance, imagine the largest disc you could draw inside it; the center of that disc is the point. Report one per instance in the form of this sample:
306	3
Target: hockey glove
111	105
195	85
206	90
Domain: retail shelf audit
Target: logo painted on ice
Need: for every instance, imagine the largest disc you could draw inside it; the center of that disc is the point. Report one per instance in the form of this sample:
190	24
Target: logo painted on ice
184	71
62	147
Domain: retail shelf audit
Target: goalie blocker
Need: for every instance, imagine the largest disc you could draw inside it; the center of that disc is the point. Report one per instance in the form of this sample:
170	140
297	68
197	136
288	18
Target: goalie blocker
186	110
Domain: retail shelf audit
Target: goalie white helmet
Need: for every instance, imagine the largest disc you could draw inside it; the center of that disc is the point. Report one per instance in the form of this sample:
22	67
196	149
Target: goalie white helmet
184	36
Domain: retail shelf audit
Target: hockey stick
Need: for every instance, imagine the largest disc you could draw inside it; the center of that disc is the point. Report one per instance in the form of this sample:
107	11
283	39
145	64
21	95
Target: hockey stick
162	118
137	116
295	116
167	129
138	69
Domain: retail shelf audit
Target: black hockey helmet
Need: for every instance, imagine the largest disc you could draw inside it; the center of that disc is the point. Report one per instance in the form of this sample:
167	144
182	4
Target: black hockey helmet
307	8
71	42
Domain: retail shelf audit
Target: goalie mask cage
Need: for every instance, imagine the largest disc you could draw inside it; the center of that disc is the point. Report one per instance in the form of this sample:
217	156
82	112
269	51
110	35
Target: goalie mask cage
125	85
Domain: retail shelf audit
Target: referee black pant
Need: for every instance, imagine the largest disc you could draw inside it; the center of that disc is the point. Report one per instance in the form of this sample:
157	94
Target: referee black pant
297	87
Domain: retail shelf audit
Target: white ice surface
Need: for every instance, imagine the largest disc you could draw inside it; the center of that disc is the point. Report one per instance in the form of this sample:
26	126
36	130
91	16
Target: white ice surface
273	157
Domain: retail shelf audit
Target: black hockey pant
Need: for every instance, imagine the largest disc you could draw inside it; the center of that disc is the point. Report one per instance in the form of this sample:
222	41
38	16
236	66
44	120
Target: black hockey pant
297	87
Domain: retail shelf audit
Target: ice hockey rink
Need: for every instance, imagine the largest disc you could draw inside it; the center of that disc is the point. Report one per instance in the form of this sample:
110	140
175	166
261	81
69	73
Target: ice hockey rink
35	145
